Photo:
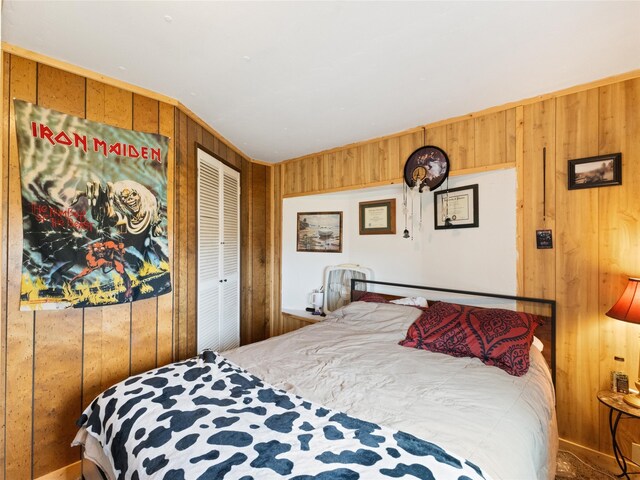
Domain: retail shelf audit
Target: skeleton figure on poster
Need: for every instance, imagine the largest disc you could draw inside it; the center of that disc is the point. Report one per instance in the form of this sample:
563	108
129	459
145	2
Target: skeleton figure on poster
126	205
124	209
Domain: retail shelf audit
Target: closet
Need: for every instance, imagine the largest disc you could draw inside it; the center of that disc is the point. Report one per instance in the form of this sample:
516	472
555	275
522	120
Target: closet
218	321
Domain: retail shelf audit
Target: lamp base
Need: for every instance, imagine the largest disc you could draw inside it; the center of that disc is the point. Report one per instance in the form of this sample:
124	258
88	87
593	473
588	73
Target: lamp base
632	399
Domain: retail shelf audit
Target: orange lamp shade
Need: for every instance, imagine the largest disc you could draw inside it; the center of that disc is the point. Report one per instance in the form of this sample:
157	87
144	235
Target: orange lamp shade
627	308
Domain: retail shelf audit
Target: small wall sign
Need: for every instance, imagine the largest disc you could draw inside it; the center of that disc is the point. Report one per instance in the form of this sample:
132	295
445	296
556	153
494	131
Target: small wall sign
544	239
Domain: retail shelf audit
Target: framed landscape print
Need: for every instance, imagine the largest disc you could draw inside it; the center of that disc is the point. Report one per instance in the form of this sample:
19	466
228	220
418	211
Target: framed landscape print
600	171
319	232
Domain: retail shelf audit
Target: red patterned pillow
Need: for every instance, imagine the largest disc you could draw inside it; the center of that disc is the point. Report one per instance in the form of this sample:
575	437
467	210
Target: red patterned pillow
497	337
373	297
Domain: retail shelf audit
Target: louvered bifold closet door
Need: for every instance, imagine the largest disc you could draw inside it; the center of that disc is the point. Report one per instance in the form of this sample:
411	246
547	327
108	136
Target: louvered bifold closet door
230	325
209	253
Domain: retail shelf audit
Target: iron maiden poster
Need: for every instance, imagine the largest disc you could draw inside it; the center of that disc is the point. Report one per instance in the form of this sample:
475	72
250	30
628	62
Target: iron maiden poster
94	211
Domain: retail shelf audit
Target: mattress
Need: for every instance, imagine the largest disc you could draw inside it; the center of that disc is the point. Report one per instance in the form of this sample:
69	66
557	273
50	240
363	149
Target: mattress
352	362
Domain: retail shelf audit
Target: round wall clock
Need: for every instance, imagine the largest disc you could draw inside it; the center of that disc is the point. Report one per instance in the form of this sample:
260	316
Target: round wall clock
426	167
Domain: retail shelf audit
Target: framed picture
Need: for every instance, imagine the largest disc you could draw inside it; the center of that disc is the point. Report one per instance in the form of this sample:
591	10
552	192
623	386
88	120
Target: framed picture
378	217
319	232
456	207
600	171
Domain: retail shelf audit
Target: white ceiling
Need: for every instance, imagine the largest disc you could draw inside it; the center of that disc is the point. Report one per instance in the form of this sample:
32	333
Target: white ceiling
283	79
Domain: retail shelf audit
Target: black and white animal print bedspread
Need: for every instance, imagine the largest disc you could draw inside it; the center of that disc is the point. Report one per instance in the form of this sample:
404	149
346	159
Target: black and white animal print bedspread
206	418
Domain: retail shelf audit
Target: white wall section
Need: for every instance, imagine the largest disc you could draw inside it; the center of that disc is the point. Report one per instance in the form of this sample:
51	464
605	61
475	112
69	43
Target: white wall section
481	259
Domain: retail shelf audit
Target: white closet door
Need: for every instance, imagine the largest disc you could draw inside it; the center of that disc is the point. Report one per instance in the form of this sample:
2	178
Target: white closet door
218	317
230	325
209	263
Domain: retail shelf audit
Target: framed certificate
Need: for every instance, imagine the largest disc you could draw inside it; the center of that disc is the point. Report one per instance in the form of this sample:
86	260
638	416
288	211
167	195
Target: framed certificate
378	217
456	207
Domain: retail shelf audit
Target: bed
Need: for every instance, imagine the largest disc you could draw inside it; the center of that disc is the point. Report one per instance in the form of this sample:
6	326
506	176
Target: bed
339	399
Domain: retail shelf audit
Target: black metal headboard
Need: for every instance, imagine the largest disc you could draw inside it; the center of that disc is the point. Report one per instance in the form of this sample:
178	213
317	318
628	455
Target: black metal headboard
546	333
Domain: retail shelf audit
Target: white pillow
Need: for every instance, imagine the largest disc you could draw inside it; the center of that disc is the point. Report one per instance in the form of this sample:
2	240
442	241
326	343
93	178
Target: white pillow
537	343
414	301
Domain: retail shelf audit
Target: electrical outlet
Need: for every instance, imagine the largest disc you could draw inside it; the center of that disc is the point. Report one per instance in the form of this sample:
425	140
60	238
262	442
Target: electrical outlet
635	453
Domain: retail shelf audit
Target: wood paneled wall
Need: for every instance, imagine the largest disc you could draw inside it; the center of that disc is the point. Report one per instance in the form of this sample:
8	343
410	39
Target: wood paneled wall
54	363
597	235
596	231
254	225
275	241
57	361
256	259
472	144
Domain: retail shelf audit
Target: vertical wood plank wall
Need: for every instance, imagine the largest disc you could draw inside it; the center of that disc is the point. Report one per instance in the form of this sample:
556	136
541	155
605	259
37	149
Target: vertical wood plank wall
254	243
69	356
54	363
275	240
474	144
596	231
253	239
618	229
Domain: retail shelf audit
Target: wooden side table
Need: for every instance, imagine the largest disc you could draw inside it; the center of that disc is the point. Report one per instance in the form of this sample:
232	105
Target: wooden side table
615	403
295	319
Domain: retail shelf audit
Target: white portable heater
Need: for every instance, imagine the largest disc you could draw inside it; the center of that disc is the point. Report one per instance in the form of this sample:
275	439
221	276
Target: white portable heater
337	284
317	299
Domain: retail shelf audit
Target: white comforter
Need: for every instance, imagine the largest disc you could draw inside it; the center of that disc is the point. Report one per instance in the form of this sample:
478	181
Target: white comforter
352	362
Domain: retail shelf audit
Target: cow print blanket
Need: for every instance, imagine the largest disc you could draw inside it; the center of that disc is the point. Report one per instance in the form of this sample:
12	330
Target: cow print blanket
206	418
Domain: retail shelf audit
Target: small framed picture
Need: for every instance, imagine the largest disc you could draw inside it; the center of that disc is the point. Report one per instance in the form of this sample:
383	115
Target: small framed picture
600	171
319	232
378	217
456	207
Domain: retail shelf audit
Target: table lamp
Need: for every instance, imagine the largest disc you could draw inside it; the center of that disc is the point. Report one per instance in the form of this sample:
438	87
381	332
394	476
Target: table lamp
627	309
